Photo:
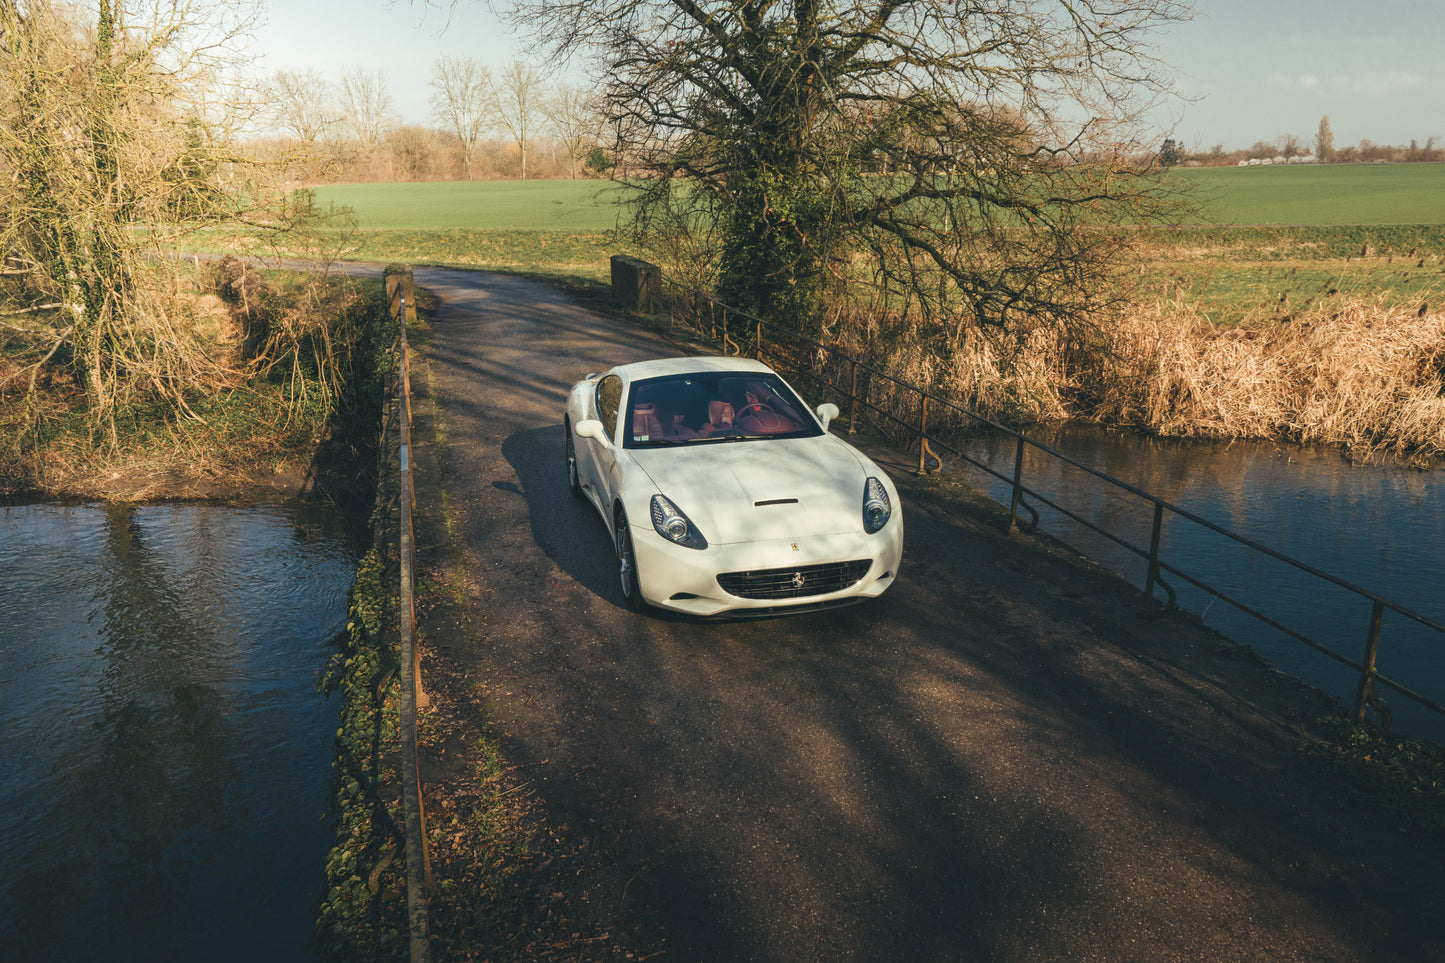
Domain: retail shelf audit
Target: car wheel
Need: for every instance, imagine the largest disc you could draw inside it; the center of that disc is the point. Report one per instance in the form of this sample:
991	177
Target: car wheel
574	482
627	573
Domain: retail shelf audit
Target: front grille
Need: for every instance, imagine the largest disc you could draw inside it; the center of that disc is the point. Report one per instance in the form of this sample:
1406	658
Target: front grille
794	583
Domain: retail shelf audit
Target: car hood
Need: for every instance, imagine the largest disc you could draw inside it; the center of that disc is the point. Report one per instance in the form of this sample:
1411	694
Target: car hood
751	490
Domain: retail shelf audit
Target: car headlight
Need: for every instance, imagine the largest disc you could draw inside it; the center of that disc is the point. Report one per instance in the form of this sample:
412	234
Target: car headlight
877	509
673	525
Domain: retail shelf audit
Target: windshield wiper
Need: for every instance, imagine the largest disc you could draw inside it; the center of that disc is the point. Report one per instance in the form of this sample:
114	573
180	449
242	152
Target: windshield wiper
733	436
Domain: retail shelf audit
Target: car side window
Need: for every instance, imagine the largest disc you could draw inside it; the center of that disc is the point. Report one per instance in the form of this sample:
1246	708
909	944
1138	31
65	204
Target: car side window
609	400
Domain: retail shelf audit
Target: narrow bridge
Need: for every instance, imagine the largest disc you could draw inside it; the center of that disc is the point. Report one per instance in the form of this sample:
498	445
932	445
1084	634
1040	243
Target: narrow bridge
1007	757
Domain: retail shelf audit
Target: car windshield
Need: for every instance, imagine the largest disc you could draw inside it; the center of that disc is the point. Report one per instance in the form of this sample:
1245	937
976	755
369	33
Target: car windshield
714	407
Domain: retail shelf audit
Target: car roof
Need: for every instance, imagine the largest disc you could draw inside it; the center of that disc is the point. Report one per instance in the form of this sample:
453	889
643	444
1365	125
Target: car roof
662	367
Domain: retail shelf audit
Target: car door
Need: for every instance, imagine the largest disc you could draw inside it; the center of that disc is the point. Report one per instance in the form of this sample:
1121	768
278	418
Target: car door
607	478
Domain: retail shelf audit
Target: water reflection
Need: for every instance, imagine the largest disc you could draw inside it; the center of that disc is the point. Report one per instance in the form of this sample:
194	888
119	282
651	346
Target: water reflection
163	752
1379	526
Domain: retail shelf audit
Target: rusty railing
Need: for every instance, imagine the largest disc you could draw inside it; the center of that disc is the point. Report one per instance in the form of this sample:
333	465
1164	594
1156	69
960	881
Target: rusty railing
419	883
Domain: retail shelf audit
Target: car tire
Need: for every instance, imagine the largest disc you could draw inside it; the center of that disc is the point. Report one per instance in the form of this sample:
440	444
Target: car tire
574	481
627	574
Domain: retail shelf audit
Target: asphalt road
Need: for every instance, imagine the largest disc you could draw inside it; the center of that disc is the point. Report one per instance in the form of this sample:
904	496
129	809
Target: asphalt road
1003	758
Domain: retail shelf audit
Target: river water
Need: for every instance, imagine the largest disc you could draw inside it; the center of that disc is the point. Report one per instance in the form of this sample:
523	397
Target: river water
1378	524
164	753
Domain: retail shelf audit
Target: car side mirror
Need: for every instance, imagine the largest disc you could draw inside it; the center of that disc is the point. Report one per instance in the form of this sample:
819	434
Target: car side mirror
591	428
827	411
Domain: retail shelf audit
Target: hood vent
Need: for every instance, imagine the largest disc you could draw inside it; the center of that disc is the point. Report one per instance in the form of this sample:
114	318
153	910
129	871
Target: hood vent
775	501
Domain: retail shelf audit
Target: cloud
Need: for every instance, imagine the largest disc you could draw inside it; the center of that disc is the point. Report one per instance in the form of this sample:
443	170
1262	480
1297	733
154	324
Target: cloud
1375	83
1297	82
1379	83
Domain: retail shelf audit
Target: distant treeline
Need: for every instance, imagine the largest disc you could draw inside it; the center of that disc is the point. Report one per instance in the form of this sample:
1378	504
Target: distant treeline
415	153
515	124
1293	150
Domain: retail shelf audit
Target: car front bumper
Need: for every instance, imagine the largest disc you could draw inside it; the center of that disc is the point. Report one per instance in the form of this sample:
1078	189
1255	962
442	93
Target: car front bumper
686	580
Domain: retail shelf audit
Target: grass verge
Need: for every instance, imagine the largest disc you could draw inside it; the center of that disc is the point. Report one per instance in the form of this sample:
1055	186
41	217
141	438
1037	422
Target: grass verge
1404	777
1259	275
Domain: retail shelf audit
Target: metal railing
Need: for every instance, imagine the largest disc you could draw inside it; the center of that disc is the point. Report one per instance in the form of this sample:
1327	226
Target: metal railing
902	411
419	883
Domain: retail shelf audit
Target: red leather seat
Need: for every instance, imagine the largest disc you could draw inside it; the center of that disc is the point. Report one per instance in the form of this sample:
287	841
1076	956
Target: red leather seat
719	417
765	421
645	423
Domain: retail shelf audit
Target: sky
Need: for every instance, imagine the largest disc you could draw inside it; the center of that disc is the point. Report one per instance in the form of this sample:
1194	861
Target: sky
1251	70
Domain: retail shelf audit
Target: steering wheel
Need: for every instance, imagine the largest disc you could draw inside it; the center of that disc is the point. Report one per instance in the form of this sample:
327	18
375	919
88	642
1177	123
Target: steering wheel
747	408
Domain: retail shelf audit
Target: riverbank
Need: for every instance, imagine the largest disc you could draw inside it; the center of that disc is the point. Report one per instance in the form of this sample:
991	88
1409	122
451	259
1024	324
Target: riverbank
1353	374
287	407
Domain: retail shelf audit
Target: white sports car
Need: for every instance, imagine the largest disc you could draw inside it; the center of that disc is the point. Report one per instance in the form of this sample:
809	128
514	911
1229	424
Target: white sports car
724	494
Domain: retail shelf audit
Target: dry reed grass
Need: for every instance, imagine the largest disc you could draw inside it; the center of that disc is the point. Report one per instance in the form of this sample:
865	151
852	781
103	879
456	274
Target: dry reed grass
259	374
1354	374
1350	373
1015	377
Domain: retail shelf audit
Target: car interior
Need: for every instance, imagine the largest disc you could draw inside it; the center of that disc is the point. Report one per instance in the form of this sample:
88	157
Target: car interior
690	407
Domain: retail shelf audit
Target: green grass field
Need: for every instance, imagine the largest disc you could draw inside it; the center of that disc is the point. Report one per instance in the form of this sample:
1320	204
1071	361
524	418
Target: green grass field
1266	239
1345	194
571	206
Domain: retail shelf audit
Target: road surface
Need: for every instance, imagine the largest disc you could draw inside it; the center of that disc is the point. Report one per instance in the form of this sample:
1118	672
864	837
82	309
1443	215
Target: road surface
1004	758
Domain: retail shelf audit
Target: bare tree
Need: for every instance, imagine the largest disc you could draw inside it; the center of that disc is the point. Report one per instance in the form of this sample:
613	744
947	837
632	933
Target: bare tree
107	126
461	99
366	105
421	153
1009	130
304	102
521	97
576	119
1324	140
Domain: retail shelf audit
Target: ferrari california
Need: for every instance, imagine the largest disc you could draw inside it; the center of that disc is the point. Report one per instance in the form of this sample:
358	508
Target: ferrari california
724	494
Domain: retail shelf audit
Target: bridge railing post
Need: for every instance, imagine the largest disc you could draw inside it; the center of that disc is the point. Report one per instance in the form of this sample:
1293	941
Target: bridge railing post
1365	694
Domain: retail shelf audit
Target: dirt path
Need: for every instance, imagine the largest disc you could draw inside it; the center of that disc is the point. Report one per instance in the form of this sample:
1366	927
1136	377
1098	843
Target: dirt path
1005	758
